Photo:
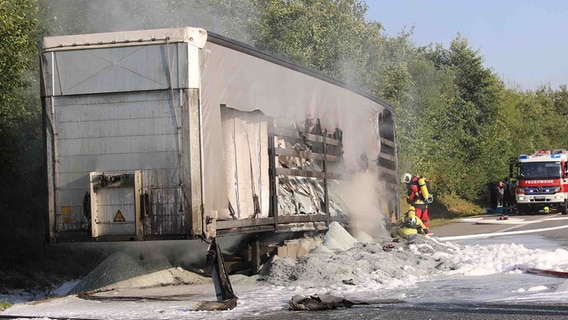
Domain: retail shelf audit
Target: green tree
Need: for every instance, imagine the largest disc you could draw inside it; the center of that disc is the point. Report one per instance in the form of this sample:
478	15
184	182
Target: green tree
467	127
18	48
20	131
419	122
326	35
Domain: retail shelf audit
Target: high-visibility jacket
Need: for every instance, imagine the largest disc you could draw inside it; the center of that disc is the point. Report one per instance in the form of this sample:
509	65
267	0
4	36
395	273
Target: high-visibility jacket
405	228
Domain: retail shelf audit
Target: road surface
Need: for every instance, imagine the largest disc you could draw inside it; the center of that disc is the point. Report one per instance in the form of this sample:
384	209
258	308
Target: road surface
550	226
501	295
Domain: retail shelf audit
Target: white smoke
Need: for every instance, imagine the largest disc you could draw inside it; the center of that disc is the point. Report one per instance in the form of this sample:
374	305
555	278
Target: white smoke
363	196
67	17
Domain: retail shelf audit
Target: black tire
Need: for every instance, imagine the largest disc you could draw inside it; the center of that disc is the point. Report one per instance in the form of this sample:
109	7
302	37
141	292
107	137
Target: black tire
564	208
522	209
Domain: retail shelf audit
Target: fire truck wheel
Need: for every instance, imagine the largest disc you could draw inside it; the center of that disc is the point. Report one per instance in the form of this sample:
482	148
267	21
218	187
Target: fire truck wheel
564	208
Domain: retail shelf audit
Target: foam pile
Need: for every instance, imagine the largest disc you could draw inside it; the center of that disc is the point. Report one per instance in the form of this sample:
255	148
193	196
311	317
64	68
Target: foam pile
343	261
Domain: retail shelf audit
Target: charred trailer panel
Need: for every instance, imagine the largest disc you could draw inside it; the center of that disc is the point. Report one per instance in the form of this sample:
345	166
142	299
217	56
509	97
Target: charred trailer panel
178	134
327	150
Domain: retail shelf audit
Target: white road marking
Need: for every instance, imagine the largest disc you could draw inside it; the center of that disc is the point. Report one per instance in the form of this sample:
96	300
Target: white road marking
506	232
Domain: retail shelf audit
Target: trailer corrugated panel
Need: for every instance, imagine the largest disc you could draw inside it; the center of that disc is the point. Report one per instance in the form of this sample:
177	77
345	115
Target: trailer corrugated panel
115	109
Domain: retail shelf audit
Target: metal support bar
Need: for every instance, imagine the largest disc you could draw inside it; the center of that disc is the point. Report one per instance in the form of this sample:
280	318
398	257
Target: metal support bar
255	255
325	191
272	174
308	174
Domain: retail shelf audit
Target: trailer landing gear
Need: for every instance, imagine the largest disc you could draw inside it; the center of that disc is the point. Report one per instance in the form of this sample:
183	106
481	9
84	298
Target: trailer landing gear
226	298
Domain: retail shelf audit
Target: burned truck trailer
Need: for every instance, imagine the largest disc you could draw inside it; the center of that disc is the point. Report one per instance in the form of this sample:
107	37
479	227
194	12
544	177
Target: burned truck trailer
180	134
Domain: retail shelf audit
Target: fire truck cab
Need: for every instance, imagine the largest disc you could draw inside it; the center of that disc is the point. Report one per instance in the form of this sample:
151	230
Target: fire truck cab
542	182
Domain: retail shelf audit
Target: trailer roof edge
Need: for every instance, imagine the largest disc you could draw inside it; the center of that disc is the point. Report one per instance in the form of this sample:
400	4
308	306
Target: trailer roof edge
195	36
245	48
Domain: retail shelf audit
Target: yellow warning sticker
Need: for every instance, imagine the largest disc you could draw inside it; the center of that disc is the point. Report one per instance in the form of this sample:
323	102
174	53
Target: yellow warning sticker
119	217
66	212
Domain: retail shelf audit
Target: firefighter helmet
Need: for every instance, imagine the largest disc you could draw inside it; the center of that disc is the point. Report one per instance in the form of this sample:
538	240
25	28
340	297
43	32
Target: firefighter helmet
411	212
409	220
406	178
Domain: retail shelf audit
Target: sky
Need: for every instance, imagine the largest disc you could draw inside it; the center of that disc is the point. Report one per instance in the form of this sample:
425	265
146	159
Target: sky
521	41
486	269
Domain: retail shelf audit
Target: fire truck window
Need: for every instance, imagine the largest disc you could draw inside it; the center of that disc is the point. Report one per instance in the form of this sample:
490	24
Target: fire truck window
536	170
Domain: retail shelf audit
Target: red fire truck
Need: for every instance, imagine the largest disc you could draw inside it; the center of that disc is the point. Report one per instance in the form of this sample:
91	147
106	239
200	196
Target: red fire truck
542	182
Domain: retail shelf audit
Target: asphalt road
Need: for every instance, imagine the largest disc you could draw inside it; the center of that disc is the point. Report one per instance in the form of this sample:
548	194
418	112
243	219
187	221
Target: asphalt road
438	311
551	226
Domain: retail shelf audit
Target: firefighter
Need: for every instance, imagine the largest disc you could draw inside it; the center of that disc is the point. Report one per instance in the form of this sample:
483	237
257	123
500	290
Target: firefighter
508	196
418	196
407	225
514	198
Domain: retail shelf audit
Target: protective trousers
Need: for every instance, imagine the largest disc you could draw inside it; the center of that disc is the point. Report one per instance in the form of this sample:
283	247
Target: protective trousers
422	213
